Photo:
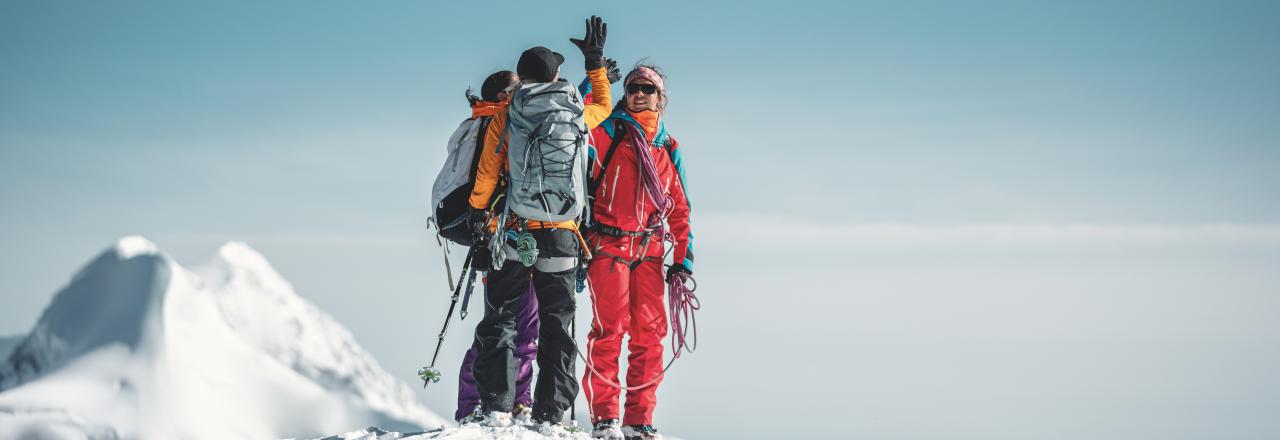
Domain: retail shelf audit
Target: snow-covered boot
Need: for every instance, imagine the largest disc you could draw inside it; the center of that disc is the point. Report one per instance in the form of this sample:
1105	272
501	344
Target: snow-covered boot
551	429
476	417
497	419
640	432
609	429
522	415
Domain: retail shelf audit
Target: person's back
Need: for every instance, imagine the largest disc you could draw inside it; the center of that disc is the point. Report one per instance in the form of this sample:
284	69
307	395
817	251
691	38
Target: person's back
545	134
451	190
494	98
544	250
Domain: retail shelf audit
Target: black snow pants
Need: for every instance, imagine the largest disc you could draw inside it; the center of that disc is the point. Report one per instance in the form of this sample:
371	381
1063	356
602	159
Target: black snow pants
495	365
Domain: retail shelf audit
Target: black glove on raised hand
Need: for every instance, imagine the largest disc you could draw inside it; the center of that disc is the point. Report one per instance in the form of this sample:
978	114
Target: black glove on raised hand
612	70
592	45
677	268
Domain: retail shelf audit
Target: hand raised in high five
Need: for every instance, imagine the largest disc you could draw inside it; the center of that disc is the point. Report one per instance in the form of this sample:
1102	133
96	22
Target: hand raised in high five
592	45
612	71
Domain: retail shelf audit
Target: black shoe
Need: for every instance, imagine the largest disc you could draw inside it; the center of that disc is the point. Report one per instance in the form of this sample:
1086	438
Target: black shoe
640	432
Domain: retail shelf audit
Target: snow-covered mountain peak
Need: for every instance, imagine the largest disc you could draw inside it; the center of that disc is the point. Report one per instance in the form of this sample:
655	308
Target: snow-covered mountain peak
237	266
133	246
139	346
239	254
113	300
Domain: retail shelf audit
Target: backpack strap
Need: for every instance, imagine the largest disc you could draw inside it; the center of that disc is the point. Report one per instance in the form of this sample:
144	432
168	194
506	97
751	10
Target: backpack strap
479	149
502	136
618	133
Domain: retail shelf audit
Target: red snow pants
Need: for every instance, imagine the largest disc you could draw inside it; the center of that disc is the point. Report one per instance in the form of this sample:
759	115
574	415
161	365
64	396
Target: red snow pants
626	298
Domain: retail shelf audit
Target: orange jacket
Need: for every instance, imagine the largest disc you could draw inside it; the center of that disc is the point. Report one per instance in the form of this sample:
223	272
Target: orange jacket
493	162
488	108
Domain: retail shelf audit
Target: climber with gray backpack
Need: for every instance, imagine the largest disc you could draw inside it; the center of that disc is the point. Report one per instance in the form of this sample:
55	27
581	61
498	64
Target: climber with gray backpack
537	146
450	209
450	205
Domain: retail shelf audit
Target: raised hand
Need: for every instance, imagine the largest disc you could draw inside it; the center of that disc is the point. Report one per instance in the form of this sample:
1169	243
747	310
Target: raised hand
612	70
592	45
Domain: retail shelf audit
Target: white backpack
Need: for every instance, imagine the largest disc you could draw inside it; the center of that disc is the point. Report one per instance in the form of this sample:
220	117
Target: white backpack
451	191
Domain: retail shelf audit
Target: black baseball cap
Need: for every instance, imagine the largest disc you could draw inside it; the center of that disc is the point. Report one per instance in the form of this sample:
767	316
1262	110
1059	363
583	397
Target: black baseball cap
538	64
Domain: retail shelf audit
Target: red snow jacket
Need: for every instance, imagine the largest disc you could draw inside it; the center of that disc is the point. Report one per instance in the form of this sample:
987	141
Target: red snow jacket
620	197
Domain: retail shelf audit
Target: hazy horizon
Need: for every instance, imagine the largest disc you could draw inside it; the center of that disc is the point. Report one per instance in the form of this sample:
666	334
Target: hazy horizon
912	220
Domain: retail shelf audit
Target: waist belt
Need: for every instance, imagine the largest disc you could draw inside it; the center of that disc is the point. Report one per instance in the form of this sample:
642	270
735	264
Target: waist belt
614	231
543	264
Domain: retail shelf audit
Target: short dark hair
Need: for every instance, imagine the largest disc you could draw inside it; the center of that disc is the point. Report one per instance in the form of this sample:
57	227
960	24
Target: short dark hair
495	83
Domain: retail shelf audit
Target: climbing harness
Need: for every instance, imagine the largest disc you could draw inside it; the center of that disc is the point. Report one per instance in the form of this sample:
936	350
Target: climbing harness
681	300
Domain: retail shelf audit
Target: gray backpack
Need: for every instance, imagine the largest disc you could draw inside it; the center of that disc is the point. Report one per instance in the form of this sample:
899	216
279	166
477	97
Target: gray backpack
451	192
546	152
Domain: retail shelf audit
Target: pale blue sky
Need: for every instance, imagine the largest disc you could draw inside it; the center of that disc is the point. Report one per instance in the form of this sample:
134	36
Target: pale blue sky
311	130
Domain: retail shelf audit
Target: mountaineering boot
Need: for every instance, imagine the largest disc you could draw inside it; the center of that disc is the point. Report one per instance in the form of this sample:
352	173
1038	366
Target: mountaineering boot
551	429
522	415
609	429
640	432
475	417
496	419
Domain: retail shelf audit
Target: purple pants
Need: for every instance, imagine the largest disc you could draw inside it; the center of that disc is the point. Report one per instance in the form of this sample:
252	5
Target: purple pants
526	352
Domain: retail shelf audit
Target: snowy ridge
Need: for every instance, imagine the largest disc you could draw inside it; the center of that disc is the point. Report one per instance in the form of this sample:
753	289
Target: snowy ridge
137	346
262	307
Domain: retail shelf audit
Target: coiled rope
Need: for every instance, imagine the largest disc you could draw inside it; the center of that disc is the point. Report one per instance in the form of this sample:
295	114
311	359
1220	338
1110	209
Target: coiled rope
526	247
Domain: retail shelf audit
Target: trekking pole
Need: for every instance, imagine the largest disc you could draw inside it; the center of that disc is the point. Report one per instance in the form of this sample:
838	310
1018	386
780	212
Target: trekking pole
430	374
466	298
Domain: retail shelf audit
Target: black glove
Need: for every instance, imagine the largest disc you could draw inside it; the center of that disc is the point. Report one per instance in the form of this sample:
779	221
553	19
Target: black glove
613	72
592	45
676	269
478	223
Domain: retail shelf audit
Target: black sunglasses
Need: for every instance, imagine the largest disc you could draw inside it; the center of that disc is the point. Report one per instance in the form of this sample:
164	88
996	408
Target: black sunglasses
648	89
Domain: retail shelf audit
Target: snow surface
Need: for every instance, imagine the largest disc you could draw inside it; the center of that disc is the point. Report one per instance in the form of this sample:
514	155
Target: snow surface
465	432
137	346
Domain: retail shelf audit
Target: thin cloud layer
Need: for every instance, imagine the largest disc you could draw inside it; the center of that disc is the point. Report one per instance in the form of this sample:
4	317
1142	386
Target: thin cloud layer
736	231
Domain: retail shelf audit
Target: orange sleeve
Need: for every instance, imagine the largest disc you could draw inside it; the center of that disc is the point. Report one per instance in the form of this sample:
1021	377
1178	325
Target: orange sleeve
599	107
492	162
